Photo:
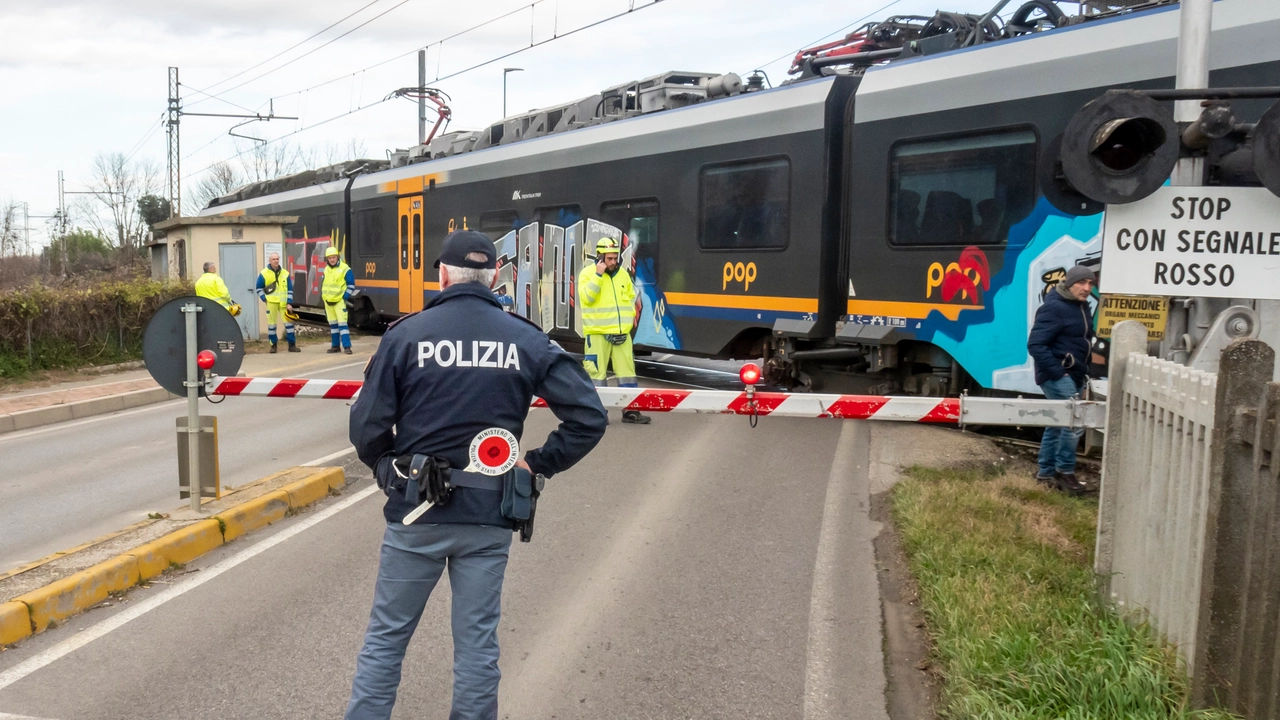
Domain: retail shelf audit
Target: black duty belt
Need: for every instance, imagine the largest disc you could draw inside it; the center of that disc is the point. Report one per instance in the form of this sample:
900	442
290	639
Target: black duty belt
426	479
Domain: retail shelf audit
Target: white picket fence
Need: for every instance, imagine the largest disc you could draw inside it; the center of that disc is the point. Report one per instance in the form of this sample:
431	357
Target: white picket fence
1156	493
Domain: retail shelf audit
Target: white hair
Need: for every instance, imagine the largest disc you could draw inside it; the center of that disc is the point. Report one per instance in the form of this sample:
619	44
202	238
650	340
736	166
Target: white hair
460	275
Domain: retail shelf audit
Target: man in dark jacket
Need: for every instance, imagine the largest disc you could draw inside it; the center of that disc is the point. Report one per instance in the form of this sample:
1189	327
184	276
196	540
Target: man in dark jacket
1059	346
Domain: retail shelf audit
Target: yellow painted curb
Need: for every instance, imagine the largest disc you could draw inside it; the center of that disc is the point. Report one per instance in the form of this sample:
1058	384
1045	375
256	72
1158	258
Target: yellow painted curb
70	595
15	622
258	512
180	546
315	488
33	612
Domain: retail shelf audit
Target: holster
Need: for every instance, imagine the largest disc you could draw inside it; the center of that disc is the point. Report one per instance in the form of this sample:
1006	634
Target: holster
420	477
520	493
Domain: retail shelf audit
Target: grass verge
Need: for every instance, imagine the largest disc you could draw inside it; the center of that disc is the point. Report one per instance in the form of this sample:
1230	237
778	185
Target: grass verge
1006	582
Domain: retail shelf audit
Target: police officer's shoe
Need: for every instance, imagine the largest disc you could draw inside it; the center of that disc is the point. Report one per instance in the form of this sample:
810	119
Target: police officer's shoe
294	348
347	350
334	349
273	348
635	418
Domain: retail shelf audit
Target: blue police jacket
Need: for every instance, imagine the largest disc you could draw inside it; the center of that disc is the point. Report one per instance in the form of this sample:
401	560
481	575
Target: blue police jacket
461	366
1060	339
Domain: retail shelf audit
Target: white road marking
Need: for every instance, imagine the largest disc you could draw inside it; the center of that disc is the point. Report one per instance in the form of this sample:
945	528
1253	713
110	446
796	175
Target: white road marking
84	637
125	413
320	461
822	687
7	716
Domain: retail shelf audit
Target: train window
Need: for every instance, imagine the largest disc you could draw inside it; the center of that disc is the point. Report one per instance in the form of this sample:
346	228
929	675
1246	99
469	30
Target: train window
745	205
562	215
639	220
404	242
417	241
497	223
961	191
325	225
368	232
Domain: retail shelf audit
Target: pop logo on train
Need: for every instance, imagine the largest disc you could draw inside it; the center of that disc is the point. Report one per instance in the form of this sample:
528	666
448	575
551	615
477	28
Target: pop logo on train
967	277
739	273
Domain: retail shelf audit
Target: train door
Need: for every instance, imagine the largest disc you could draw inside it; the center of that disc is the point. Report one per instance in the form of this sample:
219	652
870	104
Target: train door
410	236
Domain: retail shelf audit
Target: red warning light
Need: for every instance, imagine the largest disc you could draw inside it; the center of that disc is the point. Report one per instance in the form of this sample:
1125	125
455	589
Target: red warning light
206	359
750	374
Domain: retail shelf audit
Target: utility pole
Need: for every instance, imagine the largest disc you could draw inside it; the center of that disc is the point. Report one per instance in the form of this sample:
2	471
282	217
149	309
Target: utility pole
422	97
1193	73
175	117
62	224
505	72
175	159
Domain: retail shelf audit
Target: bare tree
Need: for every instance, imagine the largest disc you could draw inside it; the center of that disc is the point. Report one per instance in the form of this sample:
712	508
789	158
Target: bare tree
270	161
12	237
318	156
266	162
220	179
117	183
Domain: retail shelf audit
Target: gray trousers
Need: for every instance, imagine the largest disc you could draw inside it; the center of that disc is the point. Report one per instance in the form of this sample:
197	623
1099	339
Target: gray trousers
413	558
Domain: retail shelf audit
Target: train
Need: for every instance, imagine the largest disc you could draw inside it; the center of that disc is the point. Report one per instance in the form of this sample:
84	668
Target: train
887	221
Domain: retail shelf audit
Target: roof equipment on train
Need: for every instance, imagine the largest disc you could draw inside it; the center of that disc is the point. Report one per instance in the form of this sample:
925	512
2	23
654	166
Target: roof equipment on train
896	38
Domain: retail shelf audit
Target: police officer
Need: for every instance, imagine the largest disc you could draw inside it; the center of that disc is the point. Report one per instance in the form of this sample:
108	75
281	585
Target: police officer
339	284
440	378
275	288
608	301
211	286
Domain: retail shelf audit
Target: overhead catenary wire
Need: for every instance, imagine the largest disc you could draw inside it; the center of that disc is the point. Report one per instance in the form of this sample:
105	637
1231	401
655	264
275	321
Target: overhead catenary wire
478	65
290	48
309	52
151	130
414	51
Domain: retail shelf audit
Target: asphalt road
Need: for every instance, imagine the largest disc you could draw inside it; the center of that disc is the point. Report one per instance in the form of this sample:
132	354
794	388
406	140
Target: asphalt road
693	568
69	483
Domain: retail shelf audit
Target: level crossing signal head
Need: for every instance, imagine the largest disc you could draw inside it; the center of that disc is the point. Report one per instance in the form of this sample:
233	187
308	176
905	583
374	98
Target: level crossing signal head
750	374
1120	148
164	342
1266	149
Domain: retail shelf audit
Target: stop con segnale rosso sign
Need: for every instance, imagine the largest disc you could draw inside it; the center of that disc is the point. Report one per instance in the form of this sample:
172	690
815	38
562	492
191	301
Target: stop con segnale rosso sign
1194	242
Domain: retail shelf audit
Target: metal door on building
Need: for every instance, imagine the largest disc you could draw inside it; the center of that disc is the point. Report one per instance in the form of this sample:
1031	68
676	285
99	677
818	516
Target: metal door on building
410	237
239	265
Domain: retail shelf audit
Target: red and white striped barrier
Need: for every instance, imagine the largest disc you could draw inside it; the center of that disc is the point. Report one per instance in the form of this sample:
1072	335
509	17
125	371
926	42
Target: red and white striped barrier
950	411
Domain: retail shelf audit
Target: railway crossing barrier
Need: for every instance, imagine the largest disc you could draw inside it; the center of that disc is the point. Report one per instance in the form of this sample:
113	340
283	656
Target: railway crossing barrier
967	410
189	339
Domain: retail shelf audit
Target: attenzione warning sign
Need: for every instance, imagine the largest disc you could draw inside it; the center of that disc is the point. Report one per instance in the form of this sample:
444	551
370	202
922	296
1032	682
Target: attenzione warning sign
1194	242
1150	311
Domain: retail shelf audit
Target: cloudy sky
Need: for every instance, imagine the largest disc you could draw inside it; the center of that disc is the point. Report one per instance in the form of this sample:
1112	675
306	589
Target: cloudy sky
81	77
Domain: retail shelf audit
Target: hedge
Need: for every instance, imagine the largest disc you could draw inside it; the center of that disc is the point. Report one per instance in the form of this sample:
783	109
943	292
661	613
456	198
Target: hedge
48	328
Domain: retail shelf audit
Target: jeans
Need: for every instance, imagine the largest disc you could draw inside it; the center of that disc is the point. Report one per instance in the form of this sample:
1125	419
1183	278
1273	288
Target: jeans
1058	447
413	558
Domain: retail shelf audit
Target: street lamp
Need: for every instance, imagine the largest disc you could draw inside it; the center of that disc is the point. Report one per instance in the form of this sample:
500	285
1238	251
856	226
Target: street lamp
504	87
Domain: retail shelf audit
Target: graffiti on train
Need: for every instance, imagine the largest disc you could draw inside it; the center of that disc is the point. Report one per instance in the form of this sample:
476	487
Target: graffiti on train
538	267
968	277
1040	249
304	258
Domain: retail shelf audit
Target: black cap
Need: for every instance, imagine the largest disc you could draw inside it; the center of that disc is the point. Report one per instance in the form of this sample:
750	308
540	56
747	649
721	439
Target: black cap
458	245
